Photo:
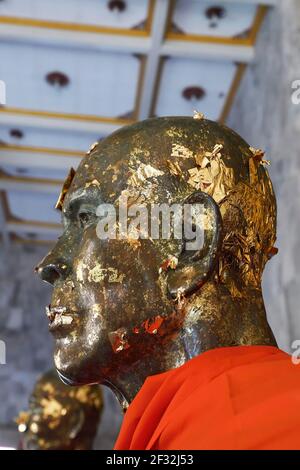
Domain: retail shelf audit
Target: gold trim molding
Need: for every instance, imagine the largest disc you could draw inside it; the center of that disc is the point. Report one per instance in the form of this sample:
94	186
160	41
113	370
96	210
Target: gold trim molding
81	28
248	41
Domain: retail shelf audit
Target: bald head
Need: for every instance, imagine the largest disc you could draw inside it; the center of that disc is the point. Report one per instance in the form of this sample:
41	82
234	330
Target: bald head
166	160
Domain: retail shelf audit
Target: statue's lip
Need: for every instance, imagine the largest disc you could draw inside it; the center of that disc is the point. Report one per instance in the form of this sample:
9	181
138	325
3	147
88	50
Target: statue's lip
59	317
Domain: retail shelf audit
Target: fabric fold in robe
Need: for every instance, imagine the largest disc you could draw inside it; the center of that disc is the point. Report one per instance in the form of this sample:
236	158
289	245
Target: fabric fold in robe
244	397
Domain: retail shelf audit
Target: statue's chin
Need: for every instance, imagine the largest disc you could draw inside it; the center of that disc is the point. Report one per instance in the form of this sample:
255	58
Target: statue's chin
77	381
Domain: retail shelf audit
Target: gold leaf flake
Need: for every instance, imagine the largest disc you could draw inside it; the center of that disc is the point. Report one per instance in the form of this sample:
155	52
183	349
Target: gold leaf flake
180	298
143	173
173	262
181	151
215	152
92	147
195	178
134	243
65	189
258	154
133	180
212	175
98	274
198	115
174	168
149	171
175	132
93	183
130	196
272	252
51	408
170	263
265	162
22	418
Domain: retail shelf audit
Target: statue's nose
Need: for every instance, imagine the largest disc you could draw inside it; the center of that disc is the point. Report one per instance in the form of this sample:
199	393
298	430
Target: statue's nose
50	271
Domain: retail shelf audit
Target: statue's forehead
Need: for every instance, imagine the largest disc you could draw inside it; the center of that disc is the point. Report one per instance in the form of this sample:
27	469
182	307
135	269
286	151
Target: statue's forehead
97	173
111	167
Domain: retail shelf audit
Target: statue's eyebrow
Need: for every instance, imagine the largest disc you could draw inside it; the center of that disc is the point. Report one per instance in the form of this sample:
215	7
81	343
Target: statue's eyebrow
87	195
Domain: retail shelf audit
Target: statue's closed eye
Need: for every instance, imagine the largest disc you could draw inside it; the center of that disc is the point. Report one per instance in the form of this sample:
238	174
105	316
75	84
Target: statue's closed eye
86	218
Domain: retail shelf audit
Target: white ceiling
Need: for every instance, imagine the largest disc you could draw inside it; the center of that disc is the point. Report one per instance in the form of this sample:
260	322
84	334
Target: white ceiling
118	67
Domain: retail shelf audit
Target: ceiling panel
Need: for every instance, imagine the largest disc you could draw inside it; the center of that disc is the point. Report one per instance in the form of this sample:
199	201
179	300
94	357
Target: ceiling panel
187	85
120	14
192	19
26	206
69	80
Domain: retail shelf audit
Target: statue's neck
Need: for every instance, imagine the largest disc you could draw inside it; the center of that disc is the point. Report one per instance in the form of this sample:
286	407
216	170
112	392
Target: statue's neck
129	381
211	320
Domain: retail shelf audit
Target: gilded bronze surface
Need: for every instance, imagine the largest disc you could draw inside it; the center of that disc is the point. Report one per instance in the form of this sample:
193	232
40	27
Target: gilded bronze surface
60	417
65	189
128	308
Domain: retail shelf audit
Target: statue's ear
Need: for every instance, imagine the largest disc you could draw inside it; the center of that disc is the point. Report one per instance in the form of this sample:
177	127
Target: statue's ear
198	257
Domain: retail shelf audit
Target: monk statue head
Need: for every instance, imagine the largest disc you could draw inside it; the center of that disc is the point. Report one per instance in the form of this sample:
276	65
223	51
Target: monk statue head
60	417
168	224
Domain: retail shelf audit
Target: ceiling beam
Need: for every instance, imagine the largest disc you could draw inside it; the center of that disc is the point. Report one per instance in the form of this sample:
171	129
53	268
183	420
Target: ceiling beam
23	227
45	122
159	23
251	2
176	48
206	50
12	183
39	158
60	37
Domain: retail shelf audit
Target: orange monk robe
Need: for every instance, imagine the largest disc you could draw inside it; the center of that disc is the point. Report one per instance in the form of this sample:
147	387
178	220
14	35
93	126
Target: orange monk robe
245	397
